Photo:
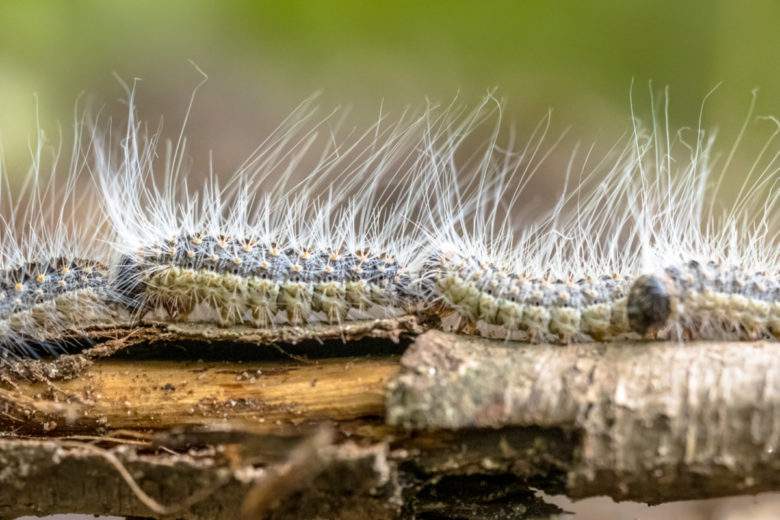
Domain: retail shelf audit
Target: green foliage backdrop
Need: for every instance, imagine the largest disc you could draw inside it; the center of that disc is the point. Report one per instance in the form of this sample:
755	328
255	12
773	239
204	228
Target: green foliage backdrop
579	58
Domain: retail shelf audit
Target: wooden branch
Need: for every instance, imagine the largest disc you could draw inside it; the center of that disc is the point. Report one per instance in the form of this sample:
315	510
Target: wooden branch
130	394
42	477
110	340
649	422
457	427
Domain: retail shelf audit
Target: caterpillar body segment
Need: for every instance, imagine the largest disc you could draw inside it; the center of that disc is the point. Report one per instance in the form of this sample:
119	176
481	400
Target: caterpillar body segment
38	282
707	300
245	281
44	302
54	254
543	309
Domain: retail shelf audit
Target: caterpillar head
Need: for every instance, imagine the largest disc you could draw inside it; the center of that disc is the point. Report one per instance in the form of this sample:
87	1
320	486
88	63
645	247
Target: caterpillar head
128	281
650	304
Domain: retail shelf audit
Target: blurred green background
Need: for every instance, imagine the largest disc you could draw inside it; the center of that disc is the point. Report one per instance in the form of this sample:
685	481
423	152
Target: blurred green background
578	58
262	58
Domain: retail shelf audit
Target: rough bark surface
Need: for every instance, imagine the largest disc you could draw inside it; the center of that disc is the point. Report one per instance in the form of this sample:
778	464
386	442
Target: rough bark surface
345	427
651	422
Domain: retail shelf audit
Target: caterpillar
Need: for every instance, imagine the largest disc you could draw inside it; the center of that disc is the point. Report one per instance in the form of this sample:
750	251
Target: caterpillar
544	309
709	273
642	254
324	223
54	263
264	249
243	281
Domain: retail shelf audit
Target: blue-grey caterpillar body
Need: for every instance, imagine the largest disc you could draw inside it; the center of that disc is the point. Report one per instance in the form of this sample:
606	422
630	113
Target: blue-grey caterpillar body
243	281
43	301
544	308
696	300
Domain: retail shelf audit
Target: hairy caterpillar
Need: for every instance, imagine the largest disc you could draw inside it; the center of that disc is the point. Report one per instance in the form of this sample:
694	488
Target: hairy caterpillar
323	223
709	273
586	269
268	249
544	309
33	295
54	274
244	281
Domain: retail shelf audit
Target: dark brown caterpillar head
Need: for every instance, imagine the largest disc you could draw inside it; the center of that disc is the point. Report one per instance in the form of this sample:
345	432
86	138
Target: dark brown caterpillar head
649	304
128	283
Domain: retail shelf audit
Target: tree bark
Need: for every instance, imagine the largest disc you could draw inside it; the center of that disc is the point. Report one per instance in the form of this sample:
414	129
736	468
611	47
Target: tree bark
649	422
153	422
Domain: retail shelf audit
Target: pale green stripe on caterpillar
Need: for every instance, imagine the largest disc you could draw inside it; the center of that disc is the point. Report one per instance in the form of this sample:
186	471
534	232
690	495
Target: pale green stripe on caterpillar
696	300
